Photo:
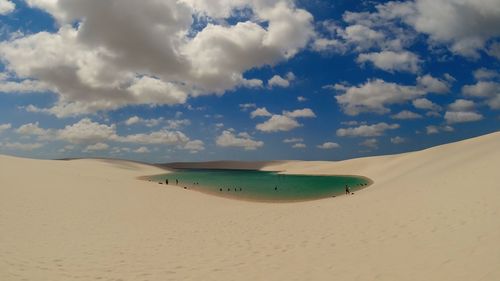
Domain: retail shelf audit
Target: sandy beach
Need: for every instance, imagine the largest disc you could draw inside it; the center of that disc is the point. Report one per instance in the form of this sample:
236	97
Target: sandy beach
430	215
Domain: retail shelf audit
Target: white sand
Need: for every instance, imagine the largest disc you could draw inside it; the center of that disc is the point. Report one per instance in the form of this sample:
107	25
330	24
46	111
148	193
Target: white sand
430	215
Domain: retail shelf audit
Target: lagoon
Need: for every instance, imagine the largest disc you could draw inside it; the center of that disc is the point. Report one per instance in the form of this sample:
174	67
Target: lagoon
262	185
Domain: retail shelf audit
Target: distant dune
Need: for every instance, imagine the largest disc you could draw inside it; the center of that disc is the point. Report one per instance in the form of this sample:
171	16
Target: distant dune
430	215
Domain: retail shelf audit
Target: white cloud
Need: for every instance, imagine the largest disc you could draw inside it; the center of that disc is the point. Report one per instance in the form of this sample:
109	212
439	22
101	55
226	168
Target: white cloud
370	143
169	124
133	120
25	86
260	112
6	7
366	130
485	74
278	123
96	147
431	130
21	146
299	145
107	55
4	127
304	113
462	116
34	130
433	85
292	140
424	103
392	61
462	105
177	124
462	111
194	146
374	96
494	50
285	122
397	140
85	131
278	81
484	89
142	150
463	25
247	106
406	114
301	99
328	145
229	139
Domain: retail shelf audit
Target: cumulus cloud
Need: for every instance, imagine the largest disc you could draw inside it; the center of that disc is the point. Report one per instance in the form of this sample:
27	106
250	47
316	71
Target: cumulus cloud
370	143
96	147
278	81
374	96
229	139
328	145
303	113
392	61
494	50
92	64
94	135
285	122
426	104
301	99
433	85
366	130
397	140
247	106
142	150
488	90
462	111
278	123
260	112
462	26
292	140
21	146
461	105
432	129
4	127
406	114
6	7
462	116
299	145
33	129
485	74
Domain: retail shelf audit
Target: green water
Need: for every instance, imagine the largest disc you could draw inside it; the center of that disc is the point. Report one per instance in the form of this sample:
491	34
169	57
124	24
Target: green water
263	186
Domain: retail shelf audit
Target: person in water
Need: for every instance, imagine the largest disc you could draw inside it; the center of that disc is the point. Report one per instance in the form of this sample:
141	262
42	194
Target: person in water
347	190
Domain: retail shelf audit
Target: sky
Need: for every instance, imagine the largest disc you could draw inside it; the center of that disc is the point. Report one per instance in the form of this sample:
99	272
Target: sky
199	80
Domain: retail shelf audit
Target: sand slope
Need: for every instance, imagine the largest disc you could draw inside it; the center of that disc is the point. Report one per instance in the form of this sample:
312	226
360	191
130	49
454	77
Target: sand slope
430	215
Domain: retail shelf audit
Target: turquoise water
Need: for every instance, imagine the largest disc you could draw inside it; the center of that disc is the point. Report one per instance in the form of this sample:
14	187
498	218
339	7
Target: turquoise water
261	185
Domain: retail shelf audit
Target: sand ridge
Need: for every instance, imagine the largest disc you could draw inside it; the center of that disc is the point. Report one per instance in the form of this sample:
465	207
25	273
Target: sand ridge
430	215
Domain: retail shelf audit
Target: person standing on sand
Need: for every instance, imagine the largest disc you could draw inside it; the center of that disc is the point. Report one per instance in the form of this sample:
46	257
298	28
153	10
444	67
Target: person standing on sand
347	191
166	181
176	181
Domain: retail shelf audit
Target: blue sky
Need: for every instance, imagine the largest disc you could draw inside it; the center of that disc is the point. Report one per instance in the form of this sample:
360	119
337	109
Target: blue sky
196	80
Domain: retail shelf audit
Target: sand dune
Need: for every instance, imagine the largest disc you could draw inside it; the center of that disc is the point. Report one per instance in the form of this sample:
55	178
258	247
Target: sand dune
430	215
